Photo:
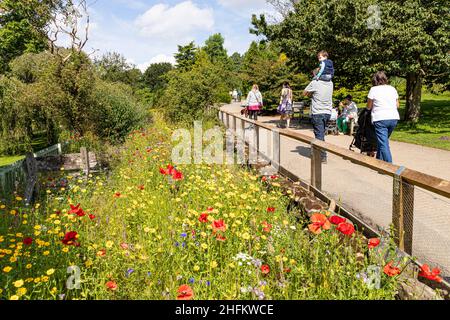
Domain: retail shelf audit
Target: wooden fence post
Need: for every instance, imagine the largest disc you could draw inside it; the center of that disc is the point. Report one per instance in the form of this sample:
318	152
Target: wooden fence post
276	149
31	188
316	167
254	145
240	137
403	212
85	160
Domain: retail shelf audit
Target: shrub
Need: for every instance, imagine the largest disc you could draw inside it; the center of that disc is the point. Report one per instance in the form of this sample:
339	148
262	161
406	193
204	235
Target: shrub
190	93
117	112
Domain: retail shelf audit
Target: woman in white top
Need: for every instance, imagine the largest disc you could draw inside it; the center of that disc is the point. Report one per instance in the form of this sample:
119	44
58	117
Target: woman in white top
254	102
383	100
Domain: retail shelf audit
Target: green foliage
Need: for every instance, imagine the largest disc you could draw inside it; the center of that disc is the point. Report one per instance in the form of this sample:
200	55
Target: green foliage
114	67
154	77
186	56
190	93
266	66
22	27
214	48
44	93
412	40
117	111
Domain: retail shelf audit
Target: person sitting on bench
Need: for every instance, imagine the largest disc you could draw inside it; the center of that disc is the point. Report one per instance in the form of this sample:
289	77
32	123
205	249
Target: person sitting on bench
349	113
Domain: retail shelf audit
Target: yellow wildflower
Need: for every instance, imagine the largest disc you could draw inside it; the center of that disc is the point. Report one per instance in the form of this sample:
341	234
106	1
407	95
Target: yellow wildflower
18	283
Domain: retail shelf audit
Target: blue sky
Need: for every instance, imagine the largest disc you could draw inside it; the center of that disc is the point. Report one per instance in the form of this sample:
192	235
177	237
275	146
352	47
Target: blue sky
148	31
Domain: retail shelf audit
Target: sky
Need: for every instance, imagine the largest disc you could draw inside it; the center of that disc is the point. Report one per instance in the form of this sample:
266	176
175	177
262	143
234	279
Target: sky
148	31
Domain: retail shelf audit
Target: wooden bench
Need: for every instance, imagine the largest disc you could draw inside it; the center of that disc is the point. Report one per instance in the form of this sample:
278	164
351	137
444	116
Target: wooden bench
300	107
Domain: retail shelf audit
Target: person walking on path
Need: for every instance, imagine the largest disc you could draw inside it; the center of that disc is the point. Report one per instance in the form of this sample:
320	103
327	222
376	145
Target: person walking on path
349	113
321	93
285	107
254	102
383	101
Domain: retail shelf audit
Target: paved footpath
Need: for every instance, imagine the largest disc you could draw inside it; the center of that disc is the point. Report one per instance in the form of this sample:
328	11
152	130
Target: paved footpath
369	194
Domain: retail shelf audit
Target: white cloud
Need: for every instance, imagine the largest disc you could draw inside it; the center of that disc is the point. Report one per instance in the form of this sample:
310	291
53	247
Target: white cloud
247	4
177	22
157	59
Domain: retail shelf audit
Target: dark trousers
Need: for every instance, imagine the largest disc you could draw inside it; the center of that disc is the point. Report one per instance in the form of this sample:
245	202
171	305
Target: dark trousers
383	130
319	122
253	114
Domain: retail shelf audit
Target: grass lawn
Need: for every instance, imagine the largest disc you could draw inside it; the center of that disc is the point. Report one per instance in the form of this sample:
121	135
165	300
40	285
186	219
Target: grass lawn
7	160
433	129
38	143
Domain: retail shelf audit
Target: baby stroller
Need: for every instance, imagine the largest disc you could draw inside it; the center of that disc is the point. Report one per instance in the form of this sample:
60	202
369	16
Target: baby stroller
365	138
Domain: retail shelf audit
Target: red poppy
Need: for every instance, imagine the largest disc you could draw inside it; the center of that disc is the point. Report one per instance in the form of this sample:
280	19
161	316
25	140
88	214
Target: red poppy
373	243
27	241
266	226
271	209
149	150
177	175
264	179
203	218
220	237
273	177
265	269
70	239
210	209
101	253
219	225
91	216
111	285
185	293
77	210
346	228
336	220
162	171
390	270
319	222
433	275
117	195
141	187
287	270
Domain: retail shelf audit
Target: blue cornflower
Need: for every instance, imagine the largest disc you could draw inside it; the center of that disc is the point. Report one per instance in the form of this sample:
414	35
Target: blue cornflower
191	280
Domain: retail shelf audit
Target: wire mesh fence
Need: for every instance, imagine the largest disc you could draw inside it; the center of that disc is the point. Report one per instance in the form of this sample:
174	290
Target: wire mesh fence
421	217
431	229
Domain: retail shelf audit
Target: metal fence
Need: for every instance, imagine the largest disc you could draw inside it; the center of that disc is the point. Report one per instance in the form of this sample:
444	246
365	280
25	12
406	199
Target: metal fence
377	193
13	176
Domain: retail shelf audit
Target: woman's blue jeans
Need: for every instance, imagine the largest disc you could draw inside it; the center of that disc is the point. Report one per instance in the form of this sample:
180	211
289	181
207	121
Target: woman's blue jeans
383	130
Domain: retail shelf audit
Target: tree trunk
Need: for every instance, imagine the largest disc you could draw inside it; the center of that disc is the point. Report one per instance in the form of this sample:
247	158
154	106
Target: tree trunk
413	97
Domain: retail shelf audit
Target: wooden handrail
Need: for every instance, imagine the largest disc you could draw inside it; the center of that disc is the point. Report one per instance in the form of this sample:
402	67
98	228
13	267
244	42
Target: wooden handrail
422	180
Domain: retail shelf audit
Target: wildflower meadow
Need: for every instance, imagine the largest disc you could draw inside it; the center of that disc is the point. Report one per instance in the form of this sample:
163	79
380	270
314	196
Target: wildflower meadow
151	230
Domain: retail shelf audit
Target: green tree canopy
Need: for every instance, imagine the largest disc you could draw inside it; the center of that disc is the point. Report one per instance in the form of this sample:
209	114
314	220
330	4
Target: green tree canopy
407	38
114	67
186	56
22	27
154	77
214	48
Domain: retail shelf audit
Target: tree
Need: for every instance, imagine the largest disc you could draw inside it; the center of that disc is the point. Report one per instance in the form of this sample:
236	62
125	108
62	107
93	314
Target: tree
214	48
407	38
190	93
114	67
154	77
186	56
265	65
23	27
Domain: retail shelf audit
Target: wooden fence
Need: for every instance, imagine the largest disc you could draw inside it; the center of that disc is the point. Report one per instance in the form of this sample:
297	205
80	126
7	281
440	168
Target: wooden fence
15	175
404	179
